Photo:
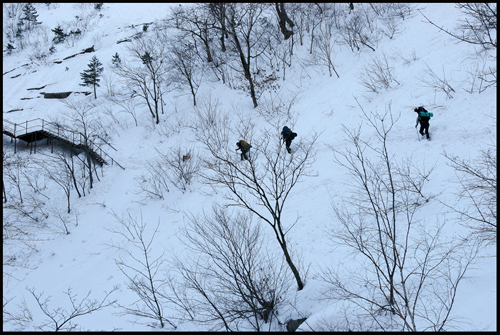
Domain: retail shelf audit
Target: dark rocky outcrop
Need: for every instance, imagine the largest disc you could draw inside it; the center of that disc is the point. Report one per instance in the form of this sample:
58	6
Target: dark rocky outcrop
36	88
60	95
292	325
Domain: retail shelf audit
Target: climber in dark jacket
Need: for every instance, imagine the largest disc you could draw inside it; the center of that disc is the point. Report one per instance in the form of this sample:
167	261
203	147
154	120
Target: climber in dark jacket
287	135
244	147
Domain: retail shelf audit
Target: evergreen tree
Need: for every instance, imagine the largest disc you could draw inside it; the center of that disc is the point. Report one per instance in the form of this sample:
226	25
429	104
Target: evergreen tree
30	16
116	60
60	35
10	47
146	58
91	76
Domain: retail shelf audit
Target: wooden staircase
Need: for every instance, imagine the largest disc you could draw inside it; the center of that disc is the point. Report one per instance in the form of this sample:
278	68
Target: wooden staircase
38	129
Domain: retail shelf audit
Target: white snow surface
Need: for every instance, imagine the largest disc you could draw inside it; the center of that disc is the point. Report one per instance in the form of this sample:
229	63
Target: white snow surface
83	260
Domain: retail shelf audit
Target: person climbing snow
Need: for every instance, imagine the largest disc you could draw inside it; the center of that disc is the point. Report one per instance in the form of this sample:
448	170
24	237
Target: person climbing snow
423	117
244	147
288	135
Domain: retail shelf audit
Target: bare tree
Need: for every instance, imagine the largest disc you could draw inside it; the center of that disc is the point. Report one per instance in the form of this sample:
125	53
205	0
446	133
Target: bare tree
325	39
218	12
246	37
404	273
88	132
197	21
478	184
148	80
185	67
356	30
59	174
478	28
263	184
62	319
141	269
234	276
283	20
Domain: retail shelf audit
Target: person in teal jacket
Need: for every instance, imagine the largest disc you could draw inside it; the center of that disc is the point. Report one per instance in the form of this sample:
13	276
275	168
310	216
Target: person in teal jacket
423	118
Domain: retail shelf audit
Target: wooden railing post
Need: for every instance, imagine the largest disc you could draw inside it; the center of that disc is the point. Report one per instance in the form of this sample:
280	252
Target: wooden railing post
15	139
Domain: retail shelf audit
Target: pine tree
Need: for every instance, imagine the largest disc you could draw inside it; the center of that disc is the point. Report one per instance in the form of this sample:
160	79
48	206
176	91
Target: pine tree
116	60
146	58
10	47
91	76
60	35
30	16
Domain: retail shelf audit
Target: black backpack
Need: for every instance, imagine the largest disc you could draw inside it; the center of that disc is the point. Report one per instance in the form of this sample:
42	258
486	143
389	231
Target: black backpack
287	133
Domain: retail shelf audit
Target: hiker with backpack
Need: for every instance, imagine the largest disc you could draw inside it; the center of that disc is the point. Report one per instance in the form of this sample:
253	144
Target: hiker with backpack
423	117
244	147
288	135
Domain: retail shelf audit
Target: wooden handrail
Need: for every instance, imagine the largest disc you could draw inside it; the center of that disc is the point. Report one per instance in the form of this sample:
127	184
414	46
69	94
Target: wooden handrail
61	132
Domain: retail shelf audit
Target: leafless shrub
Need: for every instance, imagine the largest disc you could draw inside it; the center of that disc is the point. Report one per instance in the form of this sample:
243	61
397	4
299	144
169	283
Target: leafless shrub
396	9
355	31
126	105
377	74
21	318
182	164
235	279
38	55
324	44
274	107
60	175
481	77
141	267
438	84
61	319
478	184
155	182
63	222
407	59
24	198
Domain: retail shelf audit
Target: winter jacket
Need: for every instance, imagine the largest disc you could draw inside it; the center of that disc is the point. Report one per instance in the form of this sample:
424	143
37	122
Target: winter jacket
243	146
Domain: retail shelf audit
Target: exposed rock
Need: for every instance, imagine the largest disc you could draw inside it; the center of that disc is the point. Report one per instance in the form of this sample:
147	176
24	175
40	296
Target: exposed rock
91	49
60	95
292	325
14	110
36	88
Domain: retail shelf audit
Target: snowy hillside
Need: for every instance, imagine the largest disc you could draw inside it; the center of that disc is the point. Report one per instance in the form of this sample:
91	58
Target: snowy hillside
53	259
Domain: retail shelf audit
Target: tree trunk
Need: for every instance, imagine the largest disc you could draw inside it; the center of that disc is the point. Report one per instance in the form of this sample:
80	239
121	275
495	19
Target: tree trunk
291	265
283	20
246	67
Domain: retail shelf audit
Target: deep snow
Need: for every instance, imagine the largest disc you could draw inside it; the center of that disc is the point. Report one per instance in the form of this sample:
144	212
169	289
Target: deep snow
83	259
